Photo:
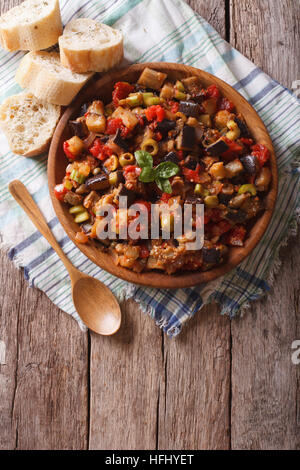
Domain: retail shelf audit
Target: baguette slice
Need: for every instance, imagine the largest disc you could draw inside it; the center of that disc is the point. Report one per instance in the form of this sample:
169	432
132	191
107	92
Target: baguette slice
31	26
87	45
43	75
28	123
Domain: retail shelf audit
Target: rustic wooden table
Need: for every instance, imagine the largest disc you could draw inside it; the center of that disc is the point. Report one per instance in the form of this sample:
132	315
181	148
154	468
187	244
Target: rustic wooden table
219	385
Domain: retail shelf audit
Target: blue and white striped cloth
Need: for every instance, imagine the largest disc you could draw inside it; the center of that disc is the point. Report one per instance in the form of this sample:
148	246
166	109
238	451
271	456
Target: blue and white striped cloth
157	30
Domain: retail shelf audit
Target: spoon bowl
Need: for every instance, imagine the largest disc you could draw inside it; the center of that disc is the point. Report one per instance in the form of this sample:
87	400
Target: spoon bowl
95	303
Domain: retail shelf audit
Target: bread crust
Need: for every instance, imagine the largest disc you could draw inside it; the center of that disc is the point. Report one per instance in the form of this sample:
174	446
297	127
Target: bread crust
98	57
28	124
42	32
56	87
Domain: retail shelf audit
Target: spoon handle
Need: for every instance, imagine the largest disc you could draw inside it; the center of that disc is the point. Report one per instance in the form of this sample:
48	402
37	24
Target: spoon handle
24	199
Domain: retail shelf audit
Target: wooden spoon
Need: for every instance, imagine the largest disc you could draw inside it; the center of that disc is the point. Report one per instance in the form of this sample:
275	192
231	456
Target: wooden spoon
95	303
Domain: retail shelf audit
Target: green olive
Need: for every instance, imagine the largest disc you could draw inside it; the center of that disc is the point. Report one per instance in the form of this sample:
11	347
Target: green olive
211	201
126	159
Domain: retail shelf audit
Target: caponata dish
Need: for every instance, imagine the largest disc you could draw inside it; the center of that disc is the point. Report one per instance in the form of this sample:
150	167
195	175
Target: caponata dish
163	142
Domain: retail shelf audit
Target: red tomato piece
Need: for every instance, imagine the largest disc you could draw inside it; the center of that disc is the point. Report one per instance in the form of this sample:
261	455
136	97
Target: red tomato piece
174	106
60	191
180	154
155	112
247	142
67	151
144	252
216	215
113	125
233	151
81	237
165	197
192	175
206	218
225	104
131	169
236	236
121	91
96	148
261	152
213	91
221	227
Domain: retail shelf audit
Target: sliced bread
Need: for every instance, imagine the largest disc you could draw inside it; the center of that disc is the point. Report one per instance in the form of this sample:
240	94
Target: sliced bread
87	45
43	75
28	123
31	26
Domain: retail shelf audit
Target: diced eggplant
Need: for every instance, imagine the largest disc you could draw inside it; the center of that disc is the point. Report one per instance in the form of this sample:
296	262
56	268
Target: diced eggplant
211	255
217	148
84	109
193	200
189	108
118	140
236	215
224	198
98	182
152	79
123	191
263	180
90	200
192	85
243	127
187	138
73	198
238	200
104	138
87	228
165	126
199	131
191	162
171	157
234	168
250	164
210	106
78	128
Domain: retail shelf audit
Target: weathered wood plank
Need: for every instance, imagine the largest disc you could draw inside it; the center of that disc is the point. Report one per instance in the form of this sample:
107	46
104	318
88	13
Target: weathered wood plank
125	376
194	410
43	384
10	295
265	383
267	32
43	395
213	11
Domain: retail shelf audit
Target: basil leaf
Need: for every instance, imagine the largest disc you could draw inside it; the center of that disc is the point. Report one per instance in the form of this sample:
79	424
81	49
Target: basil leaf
144	159
147	175
166	170
164	185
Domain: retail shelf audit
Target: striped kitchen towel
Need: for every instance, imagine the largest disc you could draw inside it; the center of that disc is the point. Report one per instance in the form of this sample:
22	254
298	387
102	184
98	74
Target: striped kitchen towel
157	30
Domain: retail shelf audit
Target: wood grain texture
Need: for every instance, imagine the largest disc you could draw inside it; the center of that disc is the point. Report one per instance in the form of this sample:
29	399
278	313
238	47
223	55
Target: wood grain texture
179	410
267	32
43	395
194	402
125	373
265	382
213	11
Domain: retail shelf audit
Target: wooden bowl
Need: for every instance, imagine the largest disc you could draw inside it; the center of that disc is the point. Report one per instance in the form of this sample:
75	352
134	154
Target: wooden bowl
57	164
